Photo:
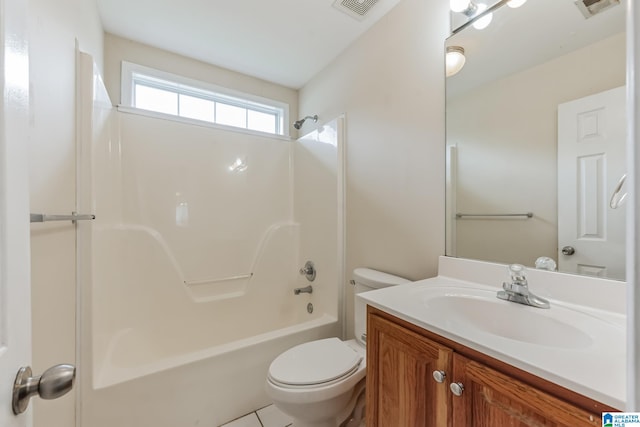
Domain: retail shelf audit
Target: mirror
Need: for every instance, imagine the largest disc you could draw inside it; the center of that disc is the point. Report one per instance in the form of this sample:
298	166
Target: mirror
536	138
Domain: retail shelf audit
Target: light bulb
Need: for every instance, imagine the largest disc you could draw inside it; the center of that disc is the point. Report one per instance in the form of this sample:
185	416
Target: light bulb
454	60
483	22
516	3
459	5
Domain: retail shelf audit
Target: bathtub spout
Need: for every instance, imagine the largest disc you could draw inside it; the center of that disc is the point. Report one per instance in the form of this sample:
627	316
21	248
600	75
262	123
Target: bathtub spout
307	290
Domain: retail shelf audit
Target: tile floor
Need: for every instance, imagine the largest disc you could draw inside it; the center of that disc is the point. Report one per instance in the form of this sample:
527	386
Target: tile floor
269	416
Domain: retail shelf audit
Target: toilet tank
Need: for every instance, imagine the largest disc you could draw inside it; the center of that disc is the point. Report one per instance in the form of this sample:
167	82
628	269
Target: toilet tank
366	279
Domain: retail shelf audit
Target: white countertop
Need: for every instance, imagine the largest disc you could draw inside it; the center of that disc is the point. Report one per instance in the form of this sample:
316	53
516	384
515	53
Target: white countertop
594	368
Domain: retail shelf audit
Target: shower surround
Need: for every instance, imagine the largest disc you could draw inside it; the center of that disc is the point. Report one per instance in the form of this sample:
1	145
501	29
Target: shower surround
187	273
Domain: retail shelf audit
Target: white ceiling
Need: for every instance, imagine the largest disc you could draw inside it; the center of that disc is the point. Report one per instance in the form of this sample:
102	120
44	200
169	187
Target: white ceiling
520	38
282	41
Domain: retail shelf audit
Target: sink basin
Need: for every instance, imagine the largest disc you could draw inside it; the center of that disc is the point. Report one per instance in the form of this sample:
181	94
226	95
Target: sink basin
480	311
579	345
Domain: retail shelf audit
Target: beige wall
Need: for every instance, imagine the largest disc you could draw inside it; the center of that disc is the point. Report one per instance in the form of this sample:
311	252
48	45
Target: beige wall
506	138
390	85
118	49
54	27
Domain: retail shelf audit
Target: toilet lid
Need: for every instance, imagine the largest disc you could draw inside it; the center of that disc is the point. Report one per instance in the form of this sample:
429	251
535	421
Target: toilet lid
315	362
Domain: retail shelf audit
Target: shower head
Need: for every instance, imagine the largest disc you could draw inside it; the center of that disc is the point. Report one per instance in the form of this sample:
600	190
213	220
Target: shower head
298	123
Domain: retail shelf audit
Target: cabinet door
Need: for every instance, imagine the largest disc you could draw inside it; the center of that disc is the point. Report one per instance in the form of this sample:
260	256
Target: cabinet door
492	399
401	389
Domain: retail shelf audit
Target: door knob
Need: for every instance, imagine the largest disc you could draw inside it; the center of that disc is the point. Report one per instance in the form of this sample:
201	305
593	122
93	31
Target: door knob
568	250
53	383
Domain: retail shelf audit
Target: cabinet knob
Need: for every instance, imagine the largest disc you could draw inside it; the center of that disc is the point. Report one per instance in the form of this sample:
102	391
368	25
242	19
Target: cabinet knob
439	376
456	388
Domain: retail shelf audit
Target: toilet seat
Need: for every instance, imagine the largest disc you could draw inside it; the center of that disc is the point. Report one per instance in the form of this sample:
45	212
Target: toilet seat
315	363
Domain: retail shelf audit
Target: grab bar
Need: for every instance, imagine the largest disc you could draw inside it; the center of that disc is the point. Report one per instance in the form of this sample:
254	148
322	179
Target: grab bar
463	215
223	279
34	217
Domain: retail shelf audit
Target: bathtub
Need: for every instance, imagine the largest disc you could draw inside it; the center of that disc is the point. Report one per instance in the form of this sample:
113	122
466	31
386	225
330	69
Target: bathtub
205	387
186	276
161	354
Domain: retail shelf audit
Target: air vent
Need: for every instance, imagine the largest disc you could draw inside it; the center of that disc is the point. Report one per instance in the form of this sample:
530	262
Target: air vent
355	8
591	8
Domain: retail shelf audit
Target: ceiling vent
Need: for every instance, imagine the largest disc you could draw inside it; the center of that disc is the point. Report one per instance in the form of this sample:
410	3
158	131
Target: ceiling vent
591	8
355	8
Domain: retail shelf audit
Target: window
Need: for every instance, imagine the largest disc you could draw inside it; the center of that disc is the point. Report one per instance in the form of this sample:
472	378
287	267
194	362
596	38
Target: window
160	92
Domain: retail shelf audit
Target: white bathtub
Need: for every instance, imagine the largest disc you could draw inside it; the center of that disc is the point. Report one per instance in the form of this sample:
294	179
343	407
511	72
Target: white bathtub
187	273
161	355
207	387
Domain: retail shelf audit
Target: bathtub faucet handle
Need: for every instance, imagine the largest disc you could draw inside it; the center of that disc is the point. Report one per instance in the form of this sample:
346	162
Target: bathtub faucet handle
309	271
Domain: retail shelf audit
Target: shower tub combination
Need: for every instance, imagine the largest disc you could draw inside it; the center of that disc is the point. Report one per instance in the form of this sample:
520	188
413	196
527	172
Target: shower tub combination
187	288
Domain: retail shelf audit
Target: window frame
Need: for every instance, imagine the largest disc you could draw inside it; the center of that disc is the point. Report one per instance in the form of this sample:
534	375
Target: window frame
132	73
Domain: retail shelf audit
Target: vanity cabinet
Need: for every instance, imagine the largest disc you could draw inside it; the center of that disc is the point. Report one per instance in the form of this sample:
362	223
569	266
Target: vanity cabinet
402	389
400	364
491	398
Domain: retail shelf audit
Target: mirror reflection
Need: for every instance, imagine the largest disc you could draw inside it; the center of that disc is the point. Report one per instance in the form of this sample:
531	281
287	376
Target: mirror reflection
535	138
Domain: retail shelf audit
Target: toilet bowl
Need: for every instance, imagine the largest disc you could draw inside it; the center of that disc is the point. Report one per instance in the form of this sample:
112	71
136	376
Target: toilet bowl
321	383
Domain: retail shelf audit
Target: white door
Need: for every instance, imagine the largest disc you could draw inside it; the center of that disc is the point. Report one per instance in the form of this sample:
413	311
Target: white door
15	314
591	161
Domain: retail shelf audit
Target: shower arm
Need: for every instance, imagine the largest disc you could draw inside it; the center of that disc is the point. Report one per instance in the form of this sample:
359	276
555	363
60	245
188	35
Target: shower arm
298	123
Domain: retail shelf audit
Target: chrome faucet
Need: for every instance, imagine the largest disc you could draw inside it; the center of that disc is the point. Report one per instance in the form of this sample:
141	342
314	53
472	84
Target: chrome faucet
518	289
307	290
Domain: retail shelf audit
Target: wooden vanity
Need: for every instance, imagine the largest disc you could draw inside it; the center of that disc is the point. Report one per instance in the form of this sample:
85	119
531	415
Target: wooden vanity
402	390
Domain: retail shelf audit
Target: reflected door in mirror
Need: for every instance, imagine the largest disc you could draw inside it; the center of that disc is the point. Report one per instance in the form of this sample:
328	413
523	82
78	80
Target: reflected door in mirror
591	160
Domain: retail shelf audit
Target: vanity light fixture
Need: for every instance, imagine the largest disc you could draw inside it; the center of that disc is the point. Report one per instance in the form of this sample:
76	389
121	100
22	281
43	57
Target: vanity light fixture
471	9
461	5
483	22
454	60
515	3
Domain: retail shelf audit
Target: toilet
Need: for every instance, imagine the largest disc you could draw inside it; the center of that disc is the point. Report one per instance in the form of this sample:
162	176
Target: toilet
321	383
